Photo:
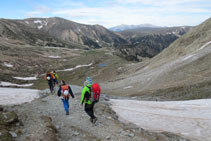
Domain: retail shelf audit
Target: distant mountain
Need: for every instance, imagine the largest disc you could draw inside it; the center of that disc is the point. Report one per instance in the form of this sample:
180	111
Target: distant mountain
58	32
124	27
181	71
148	42
145	41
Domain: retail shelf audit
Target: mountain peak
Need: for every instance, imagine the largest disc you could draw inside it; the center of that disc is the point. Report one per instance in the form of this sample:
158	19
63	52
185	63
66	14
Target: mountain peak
123	27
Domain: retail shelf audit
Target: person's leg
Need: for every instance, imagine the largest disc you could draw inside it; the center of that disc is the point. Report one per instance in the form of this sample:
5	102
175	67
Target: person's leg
50	86
88	110
65	105
92	112
67	100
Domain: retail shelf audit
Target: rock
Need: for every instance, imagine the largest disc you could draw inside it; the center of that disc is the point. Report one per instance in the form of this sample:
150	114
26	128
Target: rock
110	118
108	137
131	135
123	133
58	127
75	133
13	134
0	133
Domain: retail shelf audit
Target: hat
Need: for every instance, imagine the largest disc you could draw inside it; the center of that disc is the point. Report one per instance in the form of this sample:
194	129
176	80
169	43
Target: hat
88	81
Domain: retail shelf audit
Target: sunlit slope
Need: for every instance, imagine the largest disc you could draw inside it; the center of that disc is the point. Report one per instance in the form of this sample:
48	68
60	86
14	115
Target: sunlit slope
180	70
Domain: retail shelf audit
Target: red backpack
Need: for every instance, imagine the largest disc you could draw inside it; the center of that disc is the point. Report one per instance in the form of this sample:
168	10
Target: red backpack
96	91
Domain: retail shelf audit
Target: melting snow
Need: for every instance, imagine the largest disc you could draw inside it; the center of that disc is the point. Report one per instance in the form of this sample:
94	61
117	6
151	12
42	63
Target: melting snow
26	22
8	65
39	27
42	23
26	78
191	119
128	87
79	66
38	21
13	84
205	45
54	57
11	96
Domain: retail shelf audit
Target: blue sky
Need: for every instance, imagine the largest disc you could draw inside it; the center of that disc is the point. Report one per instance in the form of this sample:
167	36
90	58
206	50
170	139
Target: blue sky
112	12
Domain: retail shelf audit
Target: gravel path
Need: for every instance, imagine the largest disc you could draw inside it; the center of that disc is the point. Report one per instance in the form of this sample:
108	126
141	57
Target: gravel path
45	119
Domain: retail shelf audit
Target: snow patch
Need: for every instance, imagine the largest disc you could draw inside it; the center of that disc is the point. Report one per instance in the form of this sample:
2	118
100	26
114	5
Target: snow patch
128	87
38	21
26	78
54	57
79	66
6	84
192	119
39	27
8	65
205	45
42	23
11	96
26	22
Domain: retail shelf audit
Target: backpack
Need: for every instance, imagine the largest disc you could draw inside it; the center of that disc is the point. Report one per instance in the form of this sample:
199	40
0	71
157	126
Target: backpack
65	91
95	92
49	77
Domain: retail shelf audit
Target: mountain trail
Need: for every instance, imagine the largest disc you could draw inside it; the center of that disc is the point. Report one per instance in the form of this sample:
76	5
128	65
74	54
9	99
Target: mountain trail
45	119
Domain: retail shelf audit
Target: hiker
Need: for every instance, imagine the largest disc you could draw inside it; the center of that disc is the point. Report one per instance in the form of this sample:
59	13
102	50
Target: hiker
50	77
86	97
64	93
56	78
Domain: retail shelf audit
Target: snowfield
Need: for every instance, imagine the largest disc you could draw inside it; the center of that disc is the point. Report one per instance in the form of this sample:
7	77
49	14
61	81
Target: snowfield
14	96
8	65
54	57
6	84
26	78
191	119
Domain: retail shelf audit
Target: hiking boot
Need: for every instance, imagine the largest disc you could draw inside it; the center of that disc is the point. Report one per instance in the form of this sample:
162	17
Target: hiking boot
91	120
67	113
94	120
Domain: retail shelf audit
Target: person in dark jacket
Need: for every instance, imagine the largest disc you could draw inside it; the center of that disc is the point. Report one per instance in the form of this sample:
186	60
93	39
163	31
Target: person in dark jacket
50	77
64	93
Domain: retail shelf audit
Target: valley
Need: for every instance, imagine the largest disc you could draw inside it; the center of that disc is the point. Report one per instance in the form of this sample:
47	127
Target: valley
145	65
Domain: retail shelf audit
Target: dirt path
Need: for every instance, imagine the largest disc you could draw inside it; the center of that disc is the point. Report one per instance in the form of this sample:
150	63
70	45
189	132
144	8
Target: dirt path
45	119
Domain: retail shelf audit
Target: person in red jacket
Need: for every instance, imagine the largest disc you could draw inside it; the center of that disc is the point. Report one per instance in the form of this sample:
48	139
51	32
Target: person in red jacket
64	93
50	77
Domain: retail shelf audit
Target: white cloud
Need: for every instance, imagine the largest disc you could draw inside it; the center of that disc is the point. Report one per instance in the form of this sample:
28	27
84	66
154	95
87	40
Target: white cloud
162	12
111	16
38	11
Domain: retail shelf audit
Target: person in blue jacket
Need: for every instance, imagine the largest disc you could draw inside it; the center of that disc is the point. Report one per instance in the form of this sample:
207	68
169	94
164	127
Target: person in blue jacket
64	93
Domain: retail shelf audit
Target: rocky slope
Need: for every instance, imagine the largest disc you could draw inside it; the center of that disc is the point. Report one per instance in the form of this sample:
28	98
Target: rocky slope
58	32
148	42
182	71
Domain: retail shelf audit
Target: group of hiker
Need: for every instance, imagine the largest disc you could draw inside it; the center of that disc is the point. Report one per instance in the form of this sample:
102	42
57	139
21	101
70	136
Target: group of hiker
90	94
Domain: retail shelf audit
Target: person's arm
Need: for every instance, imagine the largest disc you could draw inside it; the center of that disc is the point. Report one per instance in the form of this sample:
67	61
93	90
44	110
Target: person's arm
83	95
59	91
45	77
71	92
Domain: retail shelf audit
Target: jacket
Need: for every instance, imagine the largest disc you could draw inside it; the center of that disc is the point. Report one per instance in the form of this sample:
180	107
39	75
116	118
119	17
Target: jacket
86	95
59	93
